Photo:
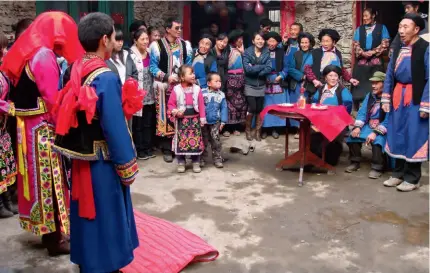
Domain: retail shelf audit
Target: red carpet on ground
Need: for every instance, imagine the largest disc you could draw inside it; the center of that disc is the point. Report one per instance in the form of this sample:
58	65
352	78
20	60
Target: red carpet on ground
166	247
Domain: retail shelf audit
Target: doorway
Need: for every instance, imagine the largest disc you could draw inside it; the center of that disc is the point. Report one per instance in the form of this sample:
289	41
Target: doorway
201	20
390	13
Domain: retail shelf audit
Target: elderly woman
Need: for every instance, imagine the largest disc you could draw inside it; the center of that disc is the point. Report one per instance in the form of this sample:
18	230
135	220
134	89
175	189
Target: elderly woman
203	61
296	71
371	40
274	93
234	94
332	93
328	54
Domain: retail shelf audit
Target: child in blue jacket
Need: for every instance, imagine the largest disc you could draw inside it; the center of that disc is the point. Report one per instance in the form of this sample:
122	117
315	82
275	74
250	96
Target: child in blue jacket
216	117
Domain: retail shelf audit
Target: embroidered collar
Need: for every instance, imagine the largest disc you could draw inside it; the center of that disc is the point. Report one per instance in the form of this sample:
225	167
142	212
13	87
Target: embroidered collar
331	90
332	50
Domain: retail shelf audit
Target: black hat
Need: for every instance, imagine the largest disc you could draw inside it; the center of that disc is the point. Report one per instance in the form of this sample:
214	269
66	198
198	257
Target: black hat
413	3
307	35
274	35
418	20
234	35
207	36
332	68
329	32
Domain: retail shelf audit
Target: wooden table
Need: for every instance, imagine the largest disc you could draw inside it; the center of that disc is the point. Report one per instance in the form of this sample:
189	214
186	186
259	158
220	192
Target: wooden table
303	156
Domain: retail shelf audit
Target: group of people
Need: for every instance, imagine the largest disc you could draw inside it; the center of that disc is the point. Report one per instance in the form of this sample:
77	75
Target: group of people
73	121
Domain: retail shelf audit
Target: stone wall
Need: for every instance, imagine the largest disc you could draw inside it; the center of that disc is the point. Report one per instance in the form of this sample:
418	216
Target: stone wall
324	14
12	12
155	12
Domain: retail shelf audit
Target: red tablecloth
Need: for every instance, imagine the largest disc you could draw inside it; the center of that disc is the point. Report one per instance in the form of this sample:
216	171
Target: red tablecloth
329	122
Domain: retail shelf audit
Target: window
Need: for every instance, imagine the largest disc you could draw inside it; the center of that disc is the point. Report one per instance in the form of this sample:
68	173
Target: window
275	17
121	11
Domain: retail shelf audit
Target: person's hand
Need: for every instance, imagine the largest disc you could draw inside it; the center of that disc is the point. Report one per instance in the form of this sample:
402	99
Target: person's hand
180	114
278	79
172	79
221	126
354	82
386	107
128	183
356	132
367	54
317	83
370	138
174	112
424	115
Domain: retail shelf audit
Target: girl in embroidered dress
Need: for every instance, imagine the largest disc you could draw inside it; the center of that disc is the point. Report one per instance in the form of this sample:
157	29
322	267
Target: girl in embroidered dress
7	160
187	108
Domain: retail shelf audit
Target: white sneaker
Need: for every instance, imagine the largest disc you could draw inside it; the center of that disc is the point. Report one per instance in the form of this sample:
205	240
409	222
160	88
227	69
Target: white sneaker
392	182
406	186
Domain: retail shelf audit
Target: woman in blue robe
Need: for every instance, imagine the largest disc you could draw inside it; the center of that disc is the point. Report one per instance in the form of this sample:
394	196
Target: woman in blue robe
406	97
370	42
296	70
332	93
274	93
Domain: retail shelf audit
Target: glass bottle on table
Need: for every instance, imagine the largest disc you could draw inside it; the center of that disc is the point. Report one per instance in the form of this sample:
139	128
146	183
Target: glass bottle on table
301	102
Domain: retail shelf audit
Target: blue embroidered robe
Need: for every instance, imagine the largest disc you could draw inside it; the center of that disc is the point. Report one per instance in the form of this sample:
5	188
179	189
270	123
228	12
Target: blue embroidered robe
106	243
275	93
408	133
369	121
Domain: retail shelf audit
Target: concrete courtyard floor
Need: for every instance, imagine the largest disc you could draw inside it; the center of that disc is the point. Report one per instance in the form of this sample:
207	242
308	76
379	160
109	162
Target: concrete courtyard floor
261	221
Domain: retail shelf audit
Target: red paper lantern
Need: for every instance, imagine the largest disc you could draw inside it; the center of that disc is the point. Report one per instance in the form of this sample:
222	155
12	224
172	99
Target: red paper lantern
259	9
118	18
224	12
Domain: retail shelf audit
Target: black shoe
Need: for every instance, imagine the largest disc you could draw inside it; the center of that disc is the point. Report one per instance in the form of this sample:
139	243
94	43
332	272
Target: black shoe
150	154
7	200
4	213
142	156
168	158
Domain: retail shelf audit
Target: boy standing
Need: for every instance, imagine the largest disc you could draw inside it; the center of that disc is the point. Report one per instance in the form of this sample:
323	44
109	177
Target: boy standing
216	117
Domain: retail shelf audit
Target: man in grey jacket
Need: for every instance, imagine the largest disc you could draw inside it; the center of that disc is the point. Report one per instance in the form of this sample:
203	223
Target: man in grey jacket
410	7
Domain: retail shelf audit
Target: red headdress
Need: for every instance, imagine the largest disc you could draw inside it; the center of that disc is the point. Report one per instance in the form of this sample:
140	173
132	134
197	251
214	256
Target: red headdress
49	29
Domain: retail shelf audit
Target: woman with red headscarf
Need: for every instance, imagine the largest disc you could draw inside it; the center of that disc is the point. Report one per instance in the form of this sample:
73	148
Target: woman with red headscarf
32	68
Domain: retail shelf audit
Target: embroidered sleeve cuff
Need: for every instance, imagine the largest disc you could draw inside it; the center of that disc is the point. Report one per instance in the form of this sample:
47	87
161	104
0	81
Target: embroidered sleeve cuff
425	107
380	130
309	73
385	98
11	110
128	171
359	124
282	74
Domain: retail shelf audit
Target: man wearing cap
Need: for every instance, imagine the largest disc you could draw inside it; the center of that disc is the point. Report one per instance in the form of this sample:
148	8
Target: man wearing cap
406	97
411	7
370	127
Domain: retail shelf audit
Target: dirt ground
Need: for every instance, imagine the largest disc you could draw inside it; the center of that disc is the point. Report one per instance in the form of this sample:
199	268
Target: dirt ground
261	221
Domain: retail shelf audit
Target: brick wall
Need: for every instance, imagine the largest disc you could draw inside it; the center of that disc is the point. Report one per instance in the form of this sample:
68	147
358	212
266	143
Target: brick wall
155	12
11	12
324	14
